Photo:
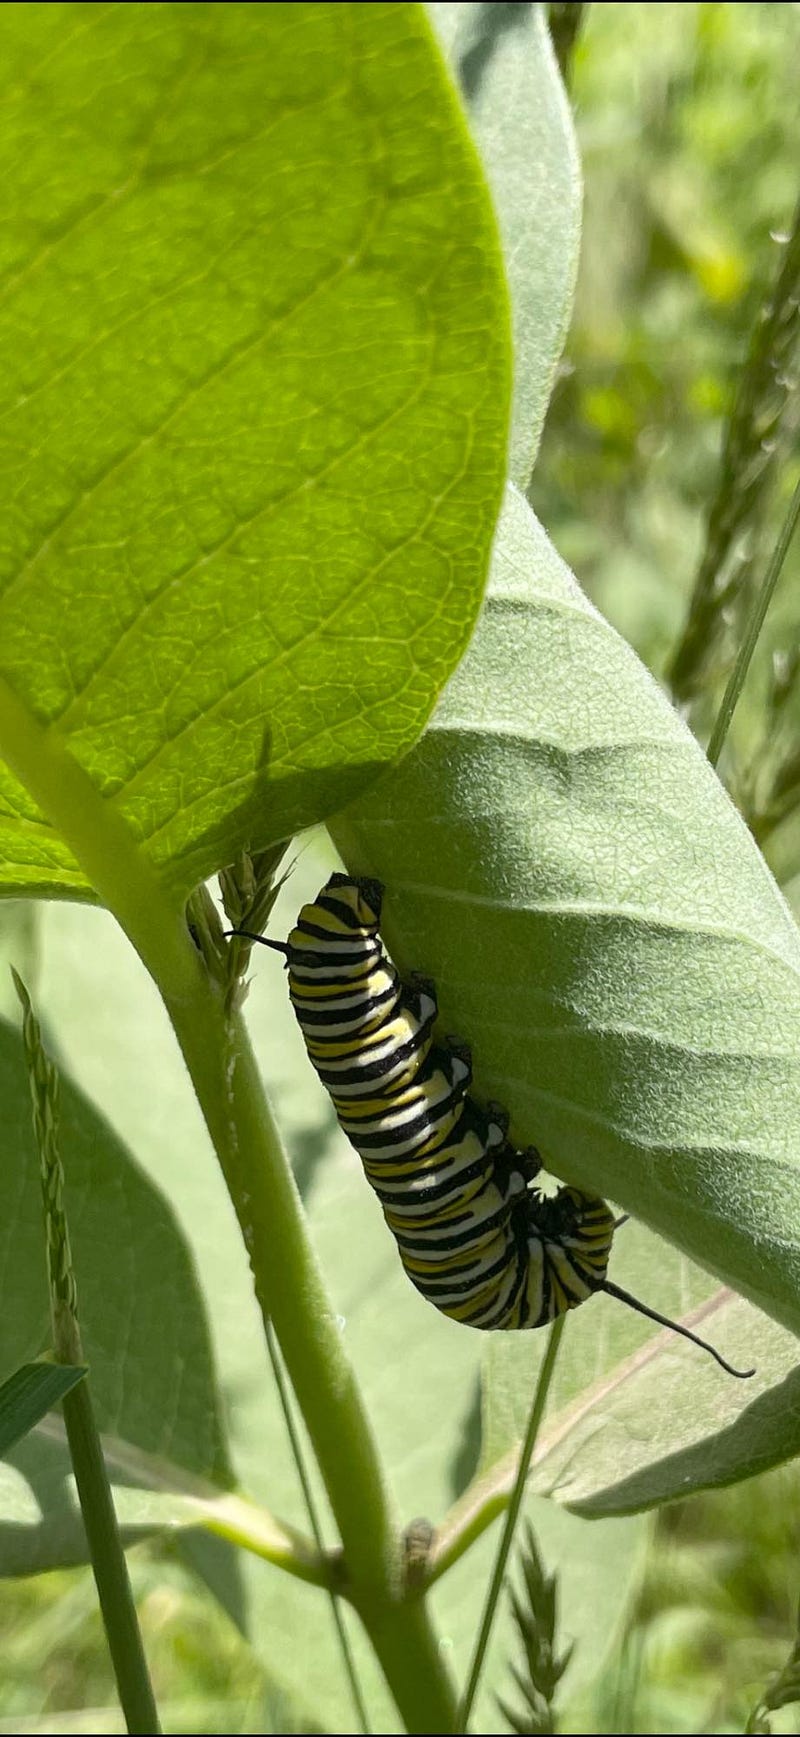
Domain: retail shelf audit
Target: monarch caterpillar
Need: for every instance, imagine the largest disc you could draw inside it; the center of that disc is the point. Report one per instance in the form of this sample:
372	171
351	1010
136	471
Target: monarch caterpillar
475	1235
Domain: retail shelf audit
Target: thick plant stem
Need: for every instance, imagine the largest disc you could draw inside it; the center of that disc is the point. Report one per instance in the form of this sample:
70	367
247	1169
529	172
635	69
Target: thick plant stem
409	1652
291	1295
288	1284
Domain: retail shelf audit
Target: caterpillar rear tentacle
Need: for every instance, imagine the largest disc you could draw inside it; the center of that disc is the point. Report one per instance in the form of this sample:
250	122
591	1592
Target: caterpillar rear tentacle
675	1327
474	1234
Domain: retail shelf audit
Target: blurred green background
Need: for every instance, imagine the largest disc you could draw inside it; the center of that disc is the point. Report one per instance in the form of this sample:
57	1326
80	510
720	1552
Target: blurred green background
689	128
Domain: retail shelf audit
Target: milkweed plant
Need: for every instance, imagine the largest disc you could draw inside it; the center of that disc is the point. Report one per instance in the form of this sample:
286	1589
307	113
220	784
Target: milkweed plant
286	291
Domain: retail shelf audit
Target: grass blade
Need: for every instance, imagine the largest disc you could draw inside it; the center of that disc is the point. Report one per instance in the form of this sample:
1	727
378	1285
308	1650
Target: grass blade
761	431
748	645
91	1477
28	1395
512	1515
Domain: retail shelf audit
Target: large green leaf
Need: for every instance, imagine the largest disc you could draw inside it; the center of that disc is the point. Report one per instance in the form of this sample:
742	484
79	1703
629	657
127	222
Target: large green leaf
507	70
564	863
255	381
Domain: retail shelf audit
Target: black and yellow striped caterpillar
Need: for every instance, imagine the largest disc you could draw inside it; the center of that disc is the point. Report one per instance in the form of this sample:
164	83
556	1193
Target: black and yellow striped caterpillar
476	1237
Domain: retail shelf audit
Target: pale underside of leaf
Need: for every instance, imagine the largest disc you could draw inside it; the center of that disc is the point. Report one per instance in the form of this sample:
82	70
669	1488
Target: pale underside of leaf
503	58
659	1423
642	1437
600	926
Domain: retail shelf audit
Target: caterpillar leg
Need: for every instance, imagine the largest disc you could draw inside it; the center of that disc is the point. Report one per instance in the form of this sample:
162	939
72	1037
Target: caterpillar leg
498	1114
509	1173
531	1162
420	984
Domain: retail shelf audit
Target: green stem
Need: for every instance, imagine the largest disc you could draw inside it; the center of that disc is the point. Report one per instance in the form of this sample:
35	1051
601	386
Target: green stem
408	1650
512	1515
248	1527
108	1563
761	605
91	1476
288	1284
290	1292
291	1295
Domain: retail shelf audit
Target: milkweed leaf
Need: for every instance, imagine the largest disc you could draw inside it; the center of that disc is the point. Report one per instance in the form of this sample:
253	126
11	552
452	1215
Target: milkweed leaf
597	917
504	61
256	371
